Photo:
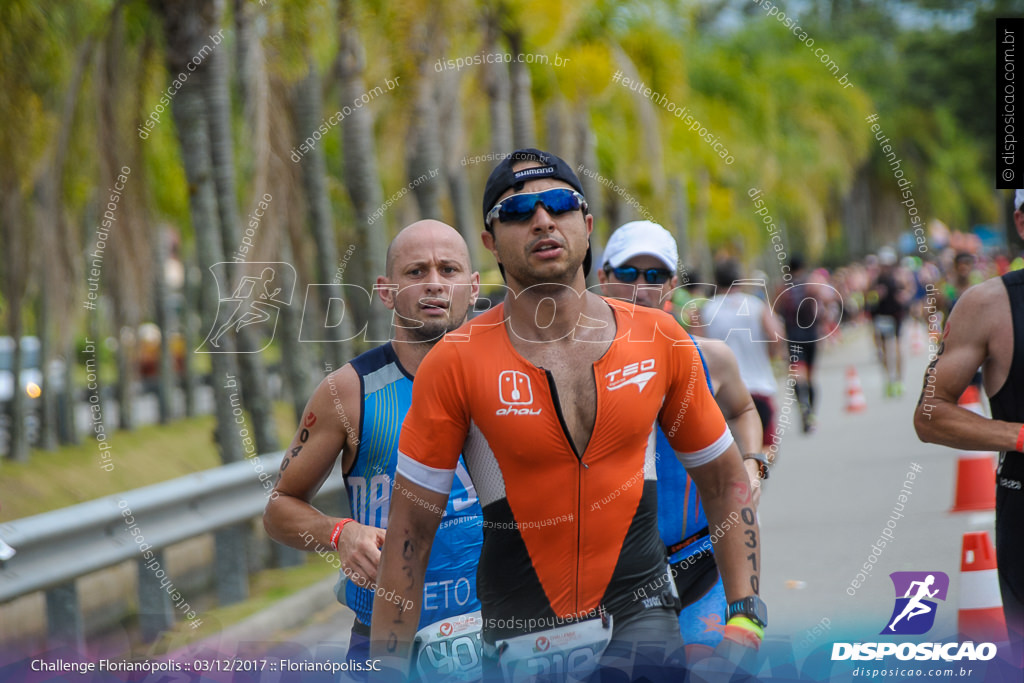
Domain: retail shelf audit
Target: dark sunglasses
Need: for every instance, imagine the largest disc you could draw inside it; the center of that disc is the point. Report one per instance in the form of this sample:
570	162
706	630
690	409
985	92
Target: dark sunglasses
519	207
653	276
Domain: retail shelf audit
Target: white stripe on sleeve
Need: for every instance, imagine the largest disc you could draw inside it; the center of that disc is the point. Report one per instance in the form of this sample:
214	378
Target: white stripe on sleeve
706	455
438	481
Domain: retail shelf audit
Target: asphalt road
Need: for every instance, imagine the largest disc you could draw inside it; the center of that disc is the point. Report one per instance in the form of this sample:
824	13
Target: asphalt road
832	492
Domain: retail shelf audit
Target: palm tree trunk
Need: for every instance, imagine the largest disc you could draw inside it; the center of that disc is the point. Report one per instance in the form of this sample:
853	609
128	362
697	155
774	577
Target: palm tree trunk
586	156
560	131
47	439
15	280
701	248
467	220
162	313
120	270
190	298
681	218
307	99
186	26
425	158
67	430
18	445
523	134
497	85
57	419
295	368
360	172
245	41
252	374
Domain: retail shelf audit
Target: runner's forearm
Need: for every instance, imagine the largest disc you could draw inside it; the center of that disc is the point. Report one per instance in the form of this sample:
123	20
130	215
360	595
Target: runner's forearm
412	523
939	421
746	428
732	520
297	524
738	545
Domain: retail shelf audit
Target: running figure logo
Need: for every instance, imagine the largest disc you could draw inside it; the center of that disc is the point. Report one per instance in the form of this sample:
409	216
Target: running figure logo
258	292
914	612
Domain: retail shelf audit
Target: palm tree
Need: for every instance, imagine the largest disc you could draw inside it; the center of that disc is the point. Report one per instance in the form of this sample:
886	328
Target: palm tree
307	100
23	142
252	374
452	139
424	158
496	83
187	24
127	272
360	172
521	95
60	255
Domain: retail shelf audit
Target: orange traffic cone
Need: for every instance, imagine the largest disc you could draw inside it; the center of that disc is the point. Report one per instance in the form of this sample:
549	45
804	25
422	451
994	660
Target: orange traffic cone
975	483
971	400
975	470
981	610
855	401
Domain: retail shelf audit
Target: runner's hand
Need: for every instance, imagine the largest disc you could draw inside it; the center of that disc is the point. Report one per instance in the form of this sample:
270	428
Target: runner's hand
359	552
742	636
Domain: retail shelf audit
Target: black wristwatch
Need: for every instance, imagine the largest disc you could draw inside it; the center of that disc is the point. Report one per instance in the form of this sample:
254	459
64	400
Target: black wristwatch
752	608
762	463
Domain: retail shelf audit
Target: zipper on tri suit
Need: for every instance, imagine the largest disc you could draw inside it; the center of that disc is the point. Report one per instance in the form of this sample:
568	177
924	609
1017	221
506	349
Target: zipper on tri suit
561	418
579	479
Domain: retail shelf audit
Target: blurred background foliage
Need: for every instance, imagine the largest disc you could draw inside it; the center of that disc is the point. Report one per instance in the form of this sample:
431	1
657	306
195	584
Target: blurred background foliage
78	81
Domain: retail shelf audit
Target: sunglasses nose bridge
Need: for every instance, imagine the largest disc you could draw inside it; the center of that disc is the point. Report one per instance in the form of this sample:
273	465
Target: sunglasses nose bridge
626	275
539	220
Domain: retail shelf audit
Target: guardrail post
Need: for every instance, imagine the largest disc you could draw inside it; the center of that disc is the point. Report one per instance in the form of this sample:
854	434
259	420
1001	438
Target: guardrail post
286	556
63	616
155	612
231	563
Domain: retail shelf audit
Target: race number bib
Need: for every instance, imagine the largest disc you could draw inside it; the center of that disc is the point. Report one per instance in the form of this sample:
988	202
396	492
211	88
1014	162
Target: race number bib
568	652
449	650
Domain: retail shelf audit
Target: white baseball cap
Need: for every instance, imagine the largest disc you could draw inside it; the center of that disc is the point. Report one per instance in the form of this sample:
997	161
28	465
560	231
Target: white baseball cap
641	238
1018	199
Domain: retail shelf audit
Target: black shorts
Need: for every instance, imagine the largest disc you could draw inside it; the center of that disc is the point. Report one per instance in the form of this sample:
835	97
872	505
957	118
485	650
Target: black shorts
888	326
695	576
1009	549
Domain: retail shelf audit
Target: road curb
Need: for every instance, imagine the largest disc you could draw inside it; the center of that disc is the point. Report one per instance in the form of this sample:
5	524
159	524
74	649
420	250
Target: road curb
288	613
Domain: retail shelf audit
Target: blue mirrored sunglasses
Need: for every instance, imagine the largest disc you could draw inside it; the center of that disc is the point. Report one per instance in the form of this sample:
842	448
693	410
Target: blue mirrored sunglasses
519	207
652	276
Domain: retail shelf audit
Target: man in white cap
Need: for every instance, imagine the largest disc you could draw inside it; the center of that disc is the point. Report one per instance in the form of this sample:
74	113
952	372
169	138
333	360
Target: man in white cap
640	265
986	330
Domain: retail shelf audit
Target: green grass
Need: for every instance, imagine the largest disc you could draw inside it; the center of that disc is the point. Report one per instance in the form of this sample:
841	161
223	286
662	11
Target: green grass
147	455
265	589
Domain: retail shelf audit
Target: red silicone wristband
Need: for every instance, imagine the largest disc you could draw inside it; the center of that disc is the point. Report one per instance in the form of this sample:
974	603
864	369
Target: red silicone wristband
336	534
1020	440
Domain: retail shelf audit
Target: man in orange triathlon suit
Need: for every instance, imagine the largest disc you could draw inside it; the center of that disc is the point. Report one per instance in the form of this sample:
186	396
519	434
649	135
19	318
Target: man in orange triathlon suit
552	397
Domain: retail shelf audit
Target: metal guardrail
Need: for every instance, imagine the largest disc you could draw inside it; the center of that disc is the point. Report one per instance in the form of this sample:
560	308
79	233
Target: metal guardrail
55	548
